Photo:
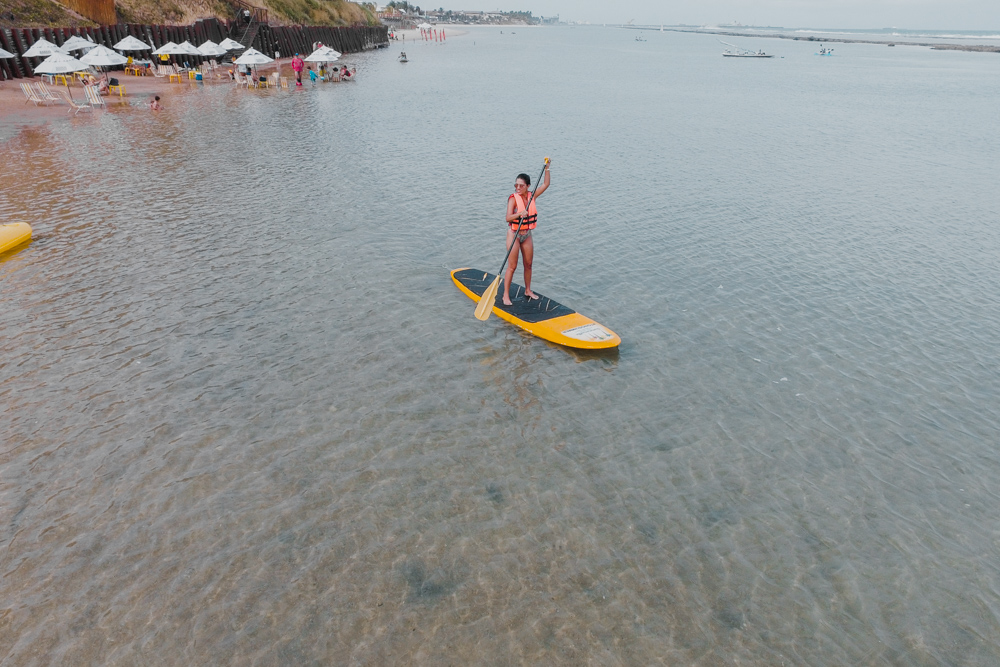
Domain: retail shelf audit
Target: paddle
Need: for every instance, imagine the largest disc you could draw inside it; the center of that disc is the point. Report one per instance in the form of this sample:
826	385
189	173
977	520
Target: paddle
485	305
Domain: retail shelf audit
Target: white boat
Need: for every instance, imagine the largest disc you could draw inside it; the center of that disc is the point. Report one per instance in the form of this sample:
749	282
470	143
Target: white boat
823	51
639	38
736	52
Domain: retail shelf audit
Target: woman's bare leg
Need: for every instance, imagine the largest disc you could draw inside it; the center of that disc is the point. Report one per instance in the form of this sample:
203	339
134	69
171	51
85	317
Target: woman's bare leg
508	277
528	252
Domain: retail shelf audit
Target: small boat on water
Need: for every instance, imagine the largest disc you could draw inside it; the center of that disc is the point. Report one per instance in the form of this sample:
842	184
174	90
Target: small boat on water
402	57
823	51
639	38
736	52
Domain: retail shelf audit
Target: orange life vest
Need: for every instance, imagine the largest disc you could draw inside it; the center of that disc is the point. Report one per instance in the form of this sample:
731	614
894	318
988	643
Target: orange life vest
531	218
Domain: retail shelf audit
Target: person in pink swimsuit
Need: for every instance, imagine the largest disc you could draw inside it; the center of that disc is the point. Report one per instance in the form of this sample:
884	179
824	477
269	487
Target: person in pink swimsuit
297	65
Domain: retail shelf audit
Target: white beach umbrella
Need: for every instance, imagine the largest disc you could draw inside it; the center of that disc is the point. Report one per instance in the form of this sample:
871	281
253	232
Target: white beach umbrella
102	56
323	54
189	49
76	43
42	49
130	43
231	45
253	57
210	48
61	63
425	26
6	54
165	50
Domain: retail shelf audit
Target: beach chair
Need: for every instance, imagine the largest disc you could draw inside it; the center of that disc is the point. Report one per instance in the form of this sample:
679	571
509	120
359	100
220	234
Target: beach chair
94	98
44	93
284	82
158	71
213	63
173	72
73	106
31	94
273	80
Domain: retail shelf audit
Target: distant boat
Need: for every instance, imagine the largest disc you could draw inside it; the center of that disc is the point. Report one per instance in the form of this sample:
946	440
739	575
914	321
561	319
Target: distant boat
639	38
823	51
402	57
736	52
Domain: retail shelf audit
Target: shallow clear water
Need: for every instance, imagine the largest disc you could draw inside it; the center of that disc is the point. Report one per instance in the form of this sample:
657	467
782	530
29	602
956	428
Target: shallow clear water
247	417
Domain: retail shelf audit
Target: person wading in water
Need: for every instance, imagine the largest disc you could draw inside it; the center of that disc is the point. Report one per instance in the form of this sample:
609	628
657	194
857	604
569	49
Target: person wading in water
521	204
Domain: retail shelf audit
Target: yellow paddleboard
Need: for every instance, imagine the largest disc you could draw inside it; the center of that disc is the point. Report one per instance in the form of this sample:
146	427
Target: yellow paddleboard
14	234
543	317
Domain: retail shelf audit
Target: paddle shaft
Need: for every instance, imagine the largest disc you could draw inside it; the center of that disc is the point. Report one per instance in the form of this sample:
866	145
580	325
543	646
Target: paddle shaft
521	221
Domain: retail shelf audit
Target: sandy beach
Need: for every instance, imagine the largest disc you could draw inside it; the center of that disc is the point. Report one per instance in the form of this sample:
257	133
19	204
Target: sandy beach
16	112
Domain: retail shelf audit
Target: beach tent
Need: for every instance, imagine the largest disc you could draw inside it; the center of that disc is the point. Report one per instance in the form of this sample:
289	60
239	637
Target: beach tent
42	49
130	43
210	48
77	43
231	45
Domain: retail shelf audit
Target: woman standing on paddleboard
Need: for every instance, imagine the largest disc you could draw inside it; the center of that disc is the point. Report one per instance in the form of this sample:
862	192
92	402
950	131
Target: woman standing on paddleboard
522	205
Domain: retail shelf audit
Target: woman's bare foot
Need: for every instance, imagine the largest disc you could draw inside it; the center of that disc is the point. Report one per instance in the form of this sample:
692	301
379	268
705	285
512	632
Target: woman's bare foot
531	295
507	301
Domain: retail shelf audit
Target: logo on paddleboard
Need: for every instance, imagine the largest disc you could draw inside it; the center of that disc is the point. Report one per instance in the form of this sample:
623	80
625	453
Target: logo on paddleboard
593	333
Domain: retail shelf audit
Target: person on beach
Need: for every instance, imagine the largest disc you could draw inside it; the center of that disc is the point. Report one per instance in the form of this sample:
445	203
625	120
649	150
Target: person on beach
312	74
521	205
297	65
154	104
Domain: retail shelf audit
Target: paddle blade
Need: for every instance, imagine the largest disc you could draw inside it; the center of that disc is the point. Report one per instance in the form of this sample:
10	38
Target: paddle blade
485	305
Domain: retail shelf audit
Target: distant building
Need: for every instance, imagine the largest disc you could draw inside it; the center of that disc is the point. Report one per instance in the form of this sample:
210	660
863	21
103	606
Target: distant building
482	18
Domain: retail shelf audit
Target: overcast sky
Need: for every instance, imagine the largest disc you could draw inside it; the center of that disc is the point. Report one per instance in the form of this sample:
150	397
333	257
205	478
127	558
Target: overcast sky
912	14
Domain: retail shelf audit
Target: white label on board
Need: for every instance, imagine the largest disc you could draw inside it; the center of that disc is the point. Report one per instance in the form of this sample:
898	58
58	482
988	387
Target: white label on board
590	332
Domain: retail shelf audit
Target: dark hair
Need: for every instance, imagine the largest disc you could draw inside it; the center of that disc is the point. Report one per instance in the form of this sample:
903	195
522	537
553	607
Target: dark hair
157	97
525	178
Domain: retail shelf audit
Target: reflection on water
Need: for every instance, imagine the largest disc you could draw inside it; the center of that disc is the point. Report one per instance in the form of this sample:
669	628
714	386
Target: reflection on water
248	418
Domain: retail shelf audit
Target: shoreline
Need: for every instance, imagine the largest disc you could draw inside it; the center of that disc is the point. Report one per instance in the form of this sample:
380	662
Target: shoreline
980	48
18	114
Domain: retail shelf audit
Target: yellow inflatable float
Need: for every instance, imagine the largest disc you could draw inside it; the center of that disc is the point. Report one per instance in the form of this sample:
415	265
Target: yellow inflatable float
14	234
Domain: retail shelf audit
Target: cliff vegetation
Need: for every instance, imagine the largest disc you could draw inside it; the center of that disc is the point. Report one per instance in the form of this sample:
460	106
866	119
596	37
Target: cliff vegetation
46	13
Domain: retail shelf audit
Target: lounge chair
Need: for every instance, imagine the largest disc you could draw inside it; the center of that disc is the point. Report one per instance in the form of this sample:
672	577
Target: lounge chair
158	71
93	97
44	93
73	105
284	82
31	94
